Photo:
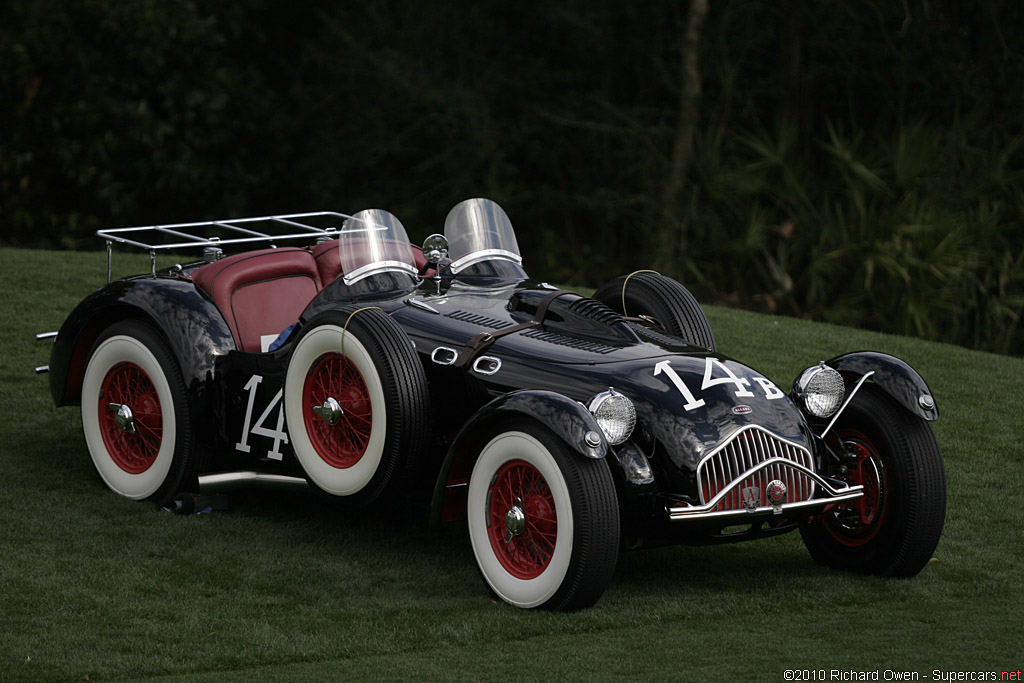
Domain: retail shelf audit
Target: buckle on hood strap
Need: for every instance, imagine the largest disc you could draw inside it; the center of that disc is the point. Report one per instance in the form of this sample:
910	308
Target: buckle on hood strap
479	343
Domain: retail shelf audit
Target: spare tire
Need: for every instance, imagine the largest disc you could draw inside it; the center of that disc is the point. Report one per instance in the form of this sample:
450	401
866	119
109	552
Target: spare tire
667	303
356	402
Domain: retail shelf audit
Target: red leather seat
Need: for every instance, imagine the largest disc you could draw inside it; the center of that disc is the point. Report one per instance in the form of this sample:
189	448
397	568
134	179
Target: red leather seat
260	292
328	261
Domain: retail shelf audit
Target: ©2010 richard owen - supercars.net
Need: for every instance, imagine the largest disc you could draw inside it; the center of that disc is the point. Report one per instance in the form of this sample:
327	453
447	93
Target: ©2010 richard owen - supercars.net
326	349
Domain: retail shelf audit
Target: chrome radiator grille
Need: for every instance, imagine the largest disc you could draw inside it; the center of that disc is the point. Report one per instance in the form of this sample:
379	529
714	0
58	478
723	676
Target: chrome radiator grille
745	450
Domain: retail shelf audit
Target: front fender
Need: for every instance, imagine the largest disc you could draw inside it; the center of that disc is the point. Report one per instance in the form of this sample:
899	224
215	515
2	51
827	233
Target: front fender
569	420
894	376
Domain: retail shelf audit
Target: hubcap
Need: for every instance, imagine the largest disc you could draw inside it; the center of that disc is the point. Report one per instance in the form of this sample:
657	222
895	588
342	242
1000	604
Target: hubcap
330	411
515	521
123	417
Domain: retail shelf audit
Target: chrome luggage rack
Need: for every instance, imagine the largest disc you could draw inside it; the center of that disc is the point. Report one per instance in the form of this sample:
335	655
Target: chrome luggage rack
212	235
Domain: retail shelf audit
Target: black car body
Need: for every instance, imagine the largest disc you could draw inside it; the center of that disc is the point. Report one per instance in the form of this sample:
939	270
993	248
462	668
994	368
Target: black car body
562	428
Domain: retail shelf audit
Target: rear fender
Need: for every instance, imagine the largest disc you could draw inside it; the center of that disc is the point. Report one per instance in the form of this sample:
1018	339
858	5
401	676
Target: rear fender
569	420
902	382
192	325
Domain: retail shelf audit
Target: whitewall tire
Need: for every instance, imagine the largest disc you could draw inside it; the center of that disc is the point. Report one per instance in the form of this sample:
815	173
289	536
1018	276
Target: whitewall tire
135	414
355	403
543	520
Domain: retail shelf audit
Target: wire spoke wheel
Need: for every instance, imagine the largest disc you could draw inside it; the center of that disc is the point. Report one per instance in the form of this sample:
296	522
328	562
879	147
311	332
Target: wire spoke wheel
340	441
523	526
356	404
543	520
133	442
136	415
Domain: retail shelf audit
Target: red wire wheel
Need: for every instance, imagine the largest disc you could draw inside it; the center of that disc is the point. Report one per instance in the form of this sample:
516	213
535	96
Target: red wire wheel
518	487
343	443
857	522
128	384
893	529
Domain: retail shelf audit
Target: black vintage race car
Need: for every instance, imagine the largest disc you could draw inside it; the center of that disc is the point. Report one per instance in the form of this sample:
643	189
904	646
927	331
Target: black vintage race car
561	428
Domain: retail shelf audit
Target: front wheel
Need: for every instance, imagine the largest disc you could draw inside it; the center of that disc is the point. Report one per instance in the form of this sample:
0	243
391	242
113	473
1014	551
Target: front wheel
894	529
543	520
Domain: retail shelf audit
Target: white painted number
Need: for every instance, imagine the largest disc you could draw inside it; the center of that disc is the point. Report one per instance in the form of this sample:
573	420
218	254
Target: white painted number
709	364
279	435
771	392
691	401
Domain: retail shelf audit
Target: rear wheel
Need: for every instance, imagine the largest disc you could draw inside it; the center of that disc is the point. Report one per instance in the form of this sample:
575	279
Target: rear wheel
356	403
135	415
543	520
667	304
894	529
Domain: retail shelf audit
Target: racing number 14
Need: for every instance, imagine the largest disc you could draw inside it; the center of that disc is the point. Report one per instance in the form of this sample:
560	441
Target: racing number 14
279	435
771	391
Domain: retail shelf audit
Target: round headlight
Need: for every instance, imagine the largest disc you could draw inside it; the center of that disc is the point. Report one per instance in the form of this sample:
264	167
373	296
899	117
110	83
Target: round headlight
820	389
615	414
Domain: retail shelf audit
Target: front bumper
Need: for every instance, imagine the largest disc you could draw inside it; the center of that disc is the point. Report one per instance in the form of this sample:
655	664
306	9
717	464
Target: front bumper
826	494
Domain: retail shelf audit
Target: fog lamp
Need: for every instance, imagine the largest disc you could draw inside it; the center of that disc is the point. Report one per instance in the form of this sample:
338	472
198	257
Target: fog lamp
820	389
615	415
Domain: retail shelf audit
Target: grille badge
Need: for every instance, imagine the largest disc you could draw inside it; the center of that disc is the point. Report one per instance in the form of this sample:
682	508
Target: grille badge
751	497
776	494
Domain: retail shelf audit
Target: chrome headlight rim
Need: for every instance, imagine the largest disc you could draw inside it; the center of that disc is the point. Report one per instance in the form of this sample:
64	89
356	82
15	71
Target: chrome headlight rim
820	390
615	415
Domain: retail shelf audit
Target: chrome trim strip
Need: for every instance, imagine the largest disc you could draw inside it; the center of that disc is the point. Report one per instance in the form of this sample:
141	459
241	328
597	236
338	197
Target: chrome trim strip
707	510
46	335
845	403
377	267
466	261
226	478
416	303
42	369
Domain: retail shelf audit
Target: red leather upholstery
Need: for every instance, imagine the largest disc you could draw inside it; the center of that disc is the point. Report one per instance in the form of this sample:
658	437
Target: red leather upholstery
328	260
260	292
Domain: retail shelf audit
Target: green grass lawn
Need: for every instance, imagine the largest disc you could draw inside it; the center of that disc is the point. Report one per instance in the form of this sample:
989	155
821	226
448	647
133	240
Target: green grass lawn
285	587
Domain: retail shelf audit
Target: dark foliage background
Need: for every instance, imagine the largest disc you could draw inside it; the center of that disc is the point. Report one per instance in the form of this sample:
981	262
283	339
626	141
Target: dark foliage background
856	161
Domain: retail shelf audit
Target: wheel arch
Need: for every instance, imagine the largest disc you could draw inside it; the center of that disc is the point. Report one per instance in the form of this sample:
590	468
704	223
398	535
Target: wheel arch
566	418
894	376
192	326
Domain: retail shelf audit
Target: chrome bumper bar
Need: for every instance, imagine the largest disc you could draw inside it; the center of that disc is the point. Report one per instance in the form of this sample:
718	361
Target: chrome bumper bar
682	512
